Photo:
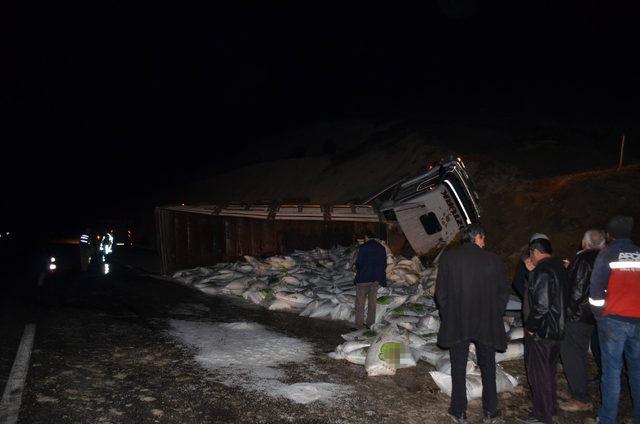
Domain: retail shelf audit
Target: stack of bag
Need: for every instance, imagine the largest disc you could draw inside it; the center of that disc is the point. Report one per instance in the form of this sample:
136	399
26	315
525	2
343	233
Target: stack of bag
319	284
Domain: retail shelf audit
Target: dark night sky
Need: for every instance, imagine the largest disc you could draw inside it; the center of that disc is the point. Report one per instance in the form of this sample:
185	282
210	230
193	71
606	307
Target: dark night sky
162	96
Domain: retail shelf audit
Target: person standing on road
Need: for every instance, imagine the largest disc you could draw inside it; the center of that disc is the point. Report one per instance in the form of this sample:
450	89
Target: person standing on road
472	293
371	265
106	245
524	266
86	249
544	322
574	348
615	300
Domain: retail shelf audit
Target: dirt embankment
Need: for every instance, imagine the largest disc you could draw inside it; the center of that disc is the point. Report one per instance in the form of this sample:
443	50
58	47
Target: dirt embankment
540	179
563	207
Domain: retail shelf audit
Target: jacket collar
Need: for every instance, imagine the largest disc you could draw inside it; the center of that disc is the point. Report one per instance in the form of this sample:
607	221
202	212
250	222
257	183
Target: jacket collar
615	242
470	245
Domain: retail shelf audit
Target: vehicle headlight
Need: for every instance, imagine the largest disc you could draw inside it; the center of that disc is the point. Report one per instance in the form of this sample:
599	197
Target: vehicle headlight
52	267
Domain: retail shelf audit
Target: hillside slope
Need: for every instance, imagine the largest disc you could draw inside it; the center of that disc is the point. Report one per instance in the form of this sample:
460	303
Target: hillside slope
552	180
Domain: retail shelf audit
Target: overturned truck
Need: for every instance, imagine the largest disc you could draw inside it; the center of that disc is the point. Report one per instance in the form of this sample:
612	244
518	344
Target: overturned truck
419	214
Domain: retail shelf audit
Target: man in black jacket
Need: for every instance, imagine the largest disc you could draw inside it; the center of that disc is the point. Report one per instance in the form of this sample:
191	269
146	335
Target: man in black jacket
580	322
544	321
472	293
522	270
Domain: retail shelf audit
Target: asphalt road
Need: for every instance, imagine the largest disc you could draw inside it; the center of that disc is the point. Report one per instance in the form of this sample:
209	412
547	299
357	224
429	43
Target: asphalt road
103	354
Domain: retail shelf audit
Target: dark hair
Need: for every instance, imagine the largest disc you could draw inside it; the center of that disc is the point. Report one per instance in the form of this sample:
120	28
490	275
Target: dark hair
365	233
541	245
620	227
470	232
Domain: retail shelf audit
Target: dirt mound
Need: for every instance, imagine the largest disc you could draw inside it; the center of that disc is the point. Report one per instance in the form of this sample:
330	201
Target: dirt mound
562	207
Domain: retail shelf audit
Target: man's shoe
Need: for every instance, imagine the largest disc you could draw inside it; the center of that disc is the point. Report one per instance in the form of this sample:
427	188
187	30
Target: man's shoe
529	419
461	419
576	406
492	418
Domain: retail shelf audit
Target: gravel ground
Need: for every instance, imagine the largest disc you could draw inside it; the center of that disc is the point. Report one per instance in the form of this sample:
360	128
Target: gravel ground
102	355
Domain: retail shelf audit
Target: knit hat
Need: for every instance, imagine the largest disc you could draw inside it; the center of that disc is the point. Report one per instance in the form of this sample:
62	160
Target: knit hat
619	227
536	236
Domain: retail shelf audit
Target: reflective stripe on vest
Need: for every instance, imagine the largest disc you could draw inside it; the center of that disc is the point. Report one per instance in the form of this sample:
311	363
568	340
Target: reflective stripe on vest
625	265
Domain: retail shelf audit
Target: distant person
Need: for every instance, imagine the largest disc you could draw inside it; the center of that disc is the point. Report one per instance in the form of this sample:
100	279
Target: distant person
86	249
544	322
472	293
524	266
371	265
106	245
615	301
574	349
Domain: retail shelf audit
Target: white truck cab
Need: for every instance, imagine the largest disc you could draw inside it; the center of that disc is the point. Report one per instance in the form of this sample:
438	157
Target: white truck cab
431	208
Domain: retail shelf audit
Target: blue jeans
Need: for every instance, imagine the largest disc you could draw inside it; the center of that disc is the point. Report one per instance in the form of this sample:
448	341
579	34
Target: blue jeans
619	340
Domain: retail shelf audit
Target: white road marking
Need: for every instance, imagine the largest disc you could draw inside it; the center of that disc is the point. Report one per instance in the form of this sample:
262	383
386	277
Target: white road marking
12	396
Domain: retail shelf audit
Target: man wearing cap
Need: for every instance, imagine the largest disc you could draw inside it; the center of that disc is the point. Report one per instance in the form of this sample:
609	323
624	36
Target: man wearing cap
524	266
615	301
544	321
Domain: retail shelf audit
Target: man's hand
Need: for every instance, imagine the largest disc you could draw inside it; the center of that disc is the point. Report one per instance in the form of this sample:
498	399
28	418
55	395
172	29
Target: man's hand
529	264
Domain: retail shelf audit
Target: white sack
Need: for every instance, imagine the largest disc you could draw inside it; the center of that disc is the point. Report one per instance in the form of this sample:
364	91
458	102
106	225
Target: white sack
444	365
238	286
429	353
354	345
515	350
210	290
389	351
516	333
297	300
504	382
279	305
253	296
358	356
323	310
360	335
428	324
343	312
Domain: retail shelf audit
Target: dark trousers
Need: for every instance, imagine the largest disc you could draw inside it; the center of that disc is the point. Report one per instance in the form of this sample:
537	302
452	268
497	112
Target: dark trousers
595	349
574	351
85	258
541	360
366	292
487	361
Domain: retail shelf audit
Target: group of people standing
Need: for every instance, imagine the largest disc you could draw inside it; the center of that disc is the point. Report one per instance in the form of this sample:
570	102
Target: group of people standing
564	303
568	307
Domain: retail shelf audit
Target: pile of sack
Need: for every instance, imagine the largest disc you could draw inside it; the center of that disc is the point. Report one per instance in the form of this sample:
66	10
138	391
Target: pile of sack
316	283
319	284
391	344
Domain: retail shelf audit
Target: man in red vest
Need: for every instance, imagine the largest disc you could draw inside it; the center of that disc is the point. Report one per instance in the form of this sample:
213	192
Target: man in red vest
615	300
